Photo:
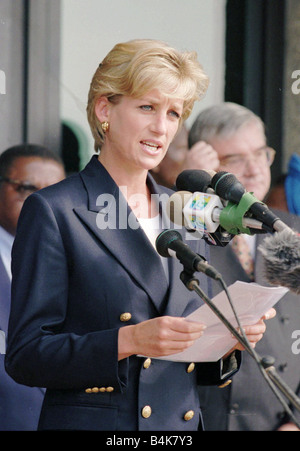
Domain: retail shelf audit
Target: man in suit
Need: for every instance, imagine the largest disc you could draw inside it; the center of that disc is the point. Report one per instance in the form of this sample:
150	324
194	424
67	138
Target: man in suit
23	170
231	138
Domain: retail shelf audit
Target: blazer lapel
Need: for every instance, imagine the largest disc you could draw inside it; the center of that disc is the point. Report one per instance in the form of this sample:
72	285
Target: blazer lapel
109	217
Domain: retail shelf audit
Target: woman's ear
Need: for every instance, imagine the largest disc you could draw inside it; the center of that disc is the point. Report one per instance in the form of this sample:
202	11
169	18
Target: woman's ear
102	109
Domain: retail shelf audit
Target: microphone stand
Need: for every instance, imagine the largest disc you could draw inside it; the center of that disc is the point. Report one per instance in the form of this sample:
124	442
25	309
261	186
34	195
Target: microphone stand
265	364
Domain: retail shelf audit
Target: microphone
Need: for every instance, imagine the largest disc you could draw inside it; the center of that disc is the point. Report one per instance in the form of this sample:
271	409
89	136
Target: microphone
206	213
228	187
169	243
195	180
199	180
280	250
281	253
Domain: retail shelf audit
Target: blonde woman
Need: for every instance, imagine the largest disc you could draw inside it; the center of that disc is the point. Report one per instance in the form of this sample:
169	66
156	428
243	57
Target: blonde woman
93	302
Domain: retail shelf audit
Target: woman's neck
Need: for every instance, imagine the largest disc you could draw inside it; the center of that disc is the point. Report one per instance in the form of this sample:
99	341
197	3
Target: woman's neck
133	186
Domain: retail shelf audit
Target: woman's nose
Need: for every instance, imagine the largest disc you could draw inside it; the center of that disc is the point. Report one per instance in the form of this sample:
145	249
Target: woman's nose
159	124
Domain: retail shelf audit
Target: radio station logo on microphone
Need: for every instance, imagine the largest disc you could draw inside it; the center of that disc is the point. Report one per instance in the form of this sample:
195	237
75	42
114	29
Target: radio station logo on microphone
182	212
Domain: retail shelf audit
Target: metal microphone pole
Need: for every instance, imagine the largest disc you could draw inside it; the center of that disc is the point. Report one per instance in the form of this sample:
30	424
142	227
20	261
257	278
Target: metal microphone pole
265	365
268	364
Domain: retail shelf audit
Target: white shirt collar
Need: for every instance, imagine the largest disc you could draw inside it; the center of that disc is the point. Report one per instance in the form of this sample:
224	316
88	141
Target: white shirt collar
251	241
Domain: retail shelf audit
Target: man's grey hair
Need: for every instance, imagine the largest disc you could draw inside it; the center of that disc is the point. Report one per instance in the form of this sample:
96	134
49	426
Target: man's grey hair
221	120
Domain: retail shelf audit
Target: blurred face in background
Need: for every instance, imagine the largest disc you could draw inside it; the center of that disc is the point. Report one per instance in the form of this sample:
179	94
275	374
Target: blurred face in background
247	156
26	175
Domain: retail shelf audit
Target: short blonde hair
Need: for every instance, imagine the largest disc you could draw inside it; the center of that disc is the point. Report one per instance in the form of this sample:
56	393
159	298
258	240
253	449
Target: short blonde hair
136	67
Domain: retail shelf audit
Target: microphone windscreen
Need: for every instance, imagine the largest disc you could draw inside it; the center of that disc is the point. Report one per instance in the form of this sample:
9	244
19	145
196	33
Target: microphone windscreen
281	253
164	241
210	172
193	180
175	206
227	186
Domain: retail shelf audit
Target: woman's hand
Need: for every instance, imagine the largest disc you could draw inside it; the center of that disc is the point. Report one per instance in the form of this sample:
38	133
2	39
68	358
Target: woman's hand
168	335
158	337
255	333
288	427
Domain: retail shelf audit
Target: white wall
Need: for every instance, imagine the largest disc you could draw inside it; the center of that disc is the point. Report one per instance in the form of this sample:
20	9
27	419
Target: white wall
90	28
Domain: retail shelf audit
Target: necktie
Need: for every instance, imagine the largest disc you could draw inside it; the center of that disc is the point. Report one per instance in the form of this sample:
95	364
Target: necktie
241	249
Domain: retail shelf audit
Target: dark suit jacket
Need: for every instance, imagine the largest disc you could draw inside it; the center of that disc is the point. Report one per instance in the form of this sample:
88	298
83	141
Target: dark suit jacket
72	281
248	403
20	406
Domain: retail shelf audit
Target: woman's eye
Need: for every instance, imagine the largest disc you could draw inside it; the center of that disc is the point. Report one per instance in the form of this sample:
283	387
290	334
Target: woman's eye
175	114
146	107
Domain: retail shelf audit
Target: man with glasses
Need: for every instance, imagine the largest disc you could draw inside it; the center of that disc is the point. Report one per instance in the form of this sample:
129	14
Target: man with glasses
229	137
23	170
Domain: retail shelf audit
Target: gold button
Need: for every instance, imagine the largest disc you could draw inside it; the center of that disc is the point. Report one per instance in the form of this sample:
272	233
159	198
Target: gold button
147	363
109	389
125	316
95	390
146	412
189	415
102	389
88	390
225	383
190	368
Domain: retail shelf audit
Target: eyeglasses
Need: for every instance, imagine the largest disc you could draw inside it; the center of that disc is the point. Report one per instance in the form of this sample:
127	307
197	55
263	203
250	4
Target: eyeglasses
24	189
238	162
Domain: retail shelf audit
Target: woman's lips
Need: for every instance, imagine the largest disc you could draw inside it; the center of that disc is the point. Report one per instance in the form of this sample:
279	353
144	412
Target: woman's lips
151	147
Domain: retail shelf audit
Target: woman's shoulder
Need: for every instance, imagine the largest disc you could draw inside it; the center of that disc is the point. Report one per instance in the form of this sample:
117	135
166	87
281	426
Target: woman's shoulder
68	186
63	195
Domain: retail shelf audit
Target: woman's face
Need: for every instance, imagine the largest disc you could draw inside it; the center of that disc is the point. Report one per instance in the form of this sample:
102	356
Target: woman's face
140	130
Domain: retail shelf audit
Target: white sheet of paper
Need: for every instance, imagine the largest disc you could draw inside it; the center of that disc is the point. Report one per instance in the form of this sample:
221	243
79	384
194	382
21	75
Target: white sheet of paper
250	300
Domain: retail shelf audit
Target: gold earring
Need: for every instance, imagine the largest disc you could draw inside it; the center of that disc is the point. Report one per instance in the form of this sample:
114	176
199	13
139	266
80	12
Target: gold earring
105	126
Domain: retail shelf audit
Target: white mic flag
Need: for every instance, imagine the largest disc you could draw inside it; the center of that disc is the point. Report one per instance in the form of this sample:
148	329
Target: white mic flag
203	212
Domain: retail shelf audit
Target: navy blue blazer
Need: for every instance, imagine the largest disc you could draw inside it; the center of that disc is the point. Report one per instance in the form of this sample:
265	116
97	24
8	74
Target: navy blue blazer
73	281
20	406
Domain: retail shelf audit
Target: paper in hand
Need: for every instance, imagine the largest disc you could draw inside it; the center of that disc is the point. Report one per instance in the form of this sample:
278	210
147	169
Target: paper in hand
250	300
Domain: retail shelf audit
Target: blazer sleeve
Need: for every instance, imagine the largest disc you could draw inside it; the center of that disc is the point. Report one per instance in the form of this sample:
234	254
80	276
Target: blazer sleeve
218	373
40	352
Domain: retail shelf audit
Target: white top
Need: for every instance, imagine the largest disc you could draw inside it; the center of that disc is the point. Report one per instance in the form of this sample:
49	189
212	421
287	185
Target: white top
251	241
